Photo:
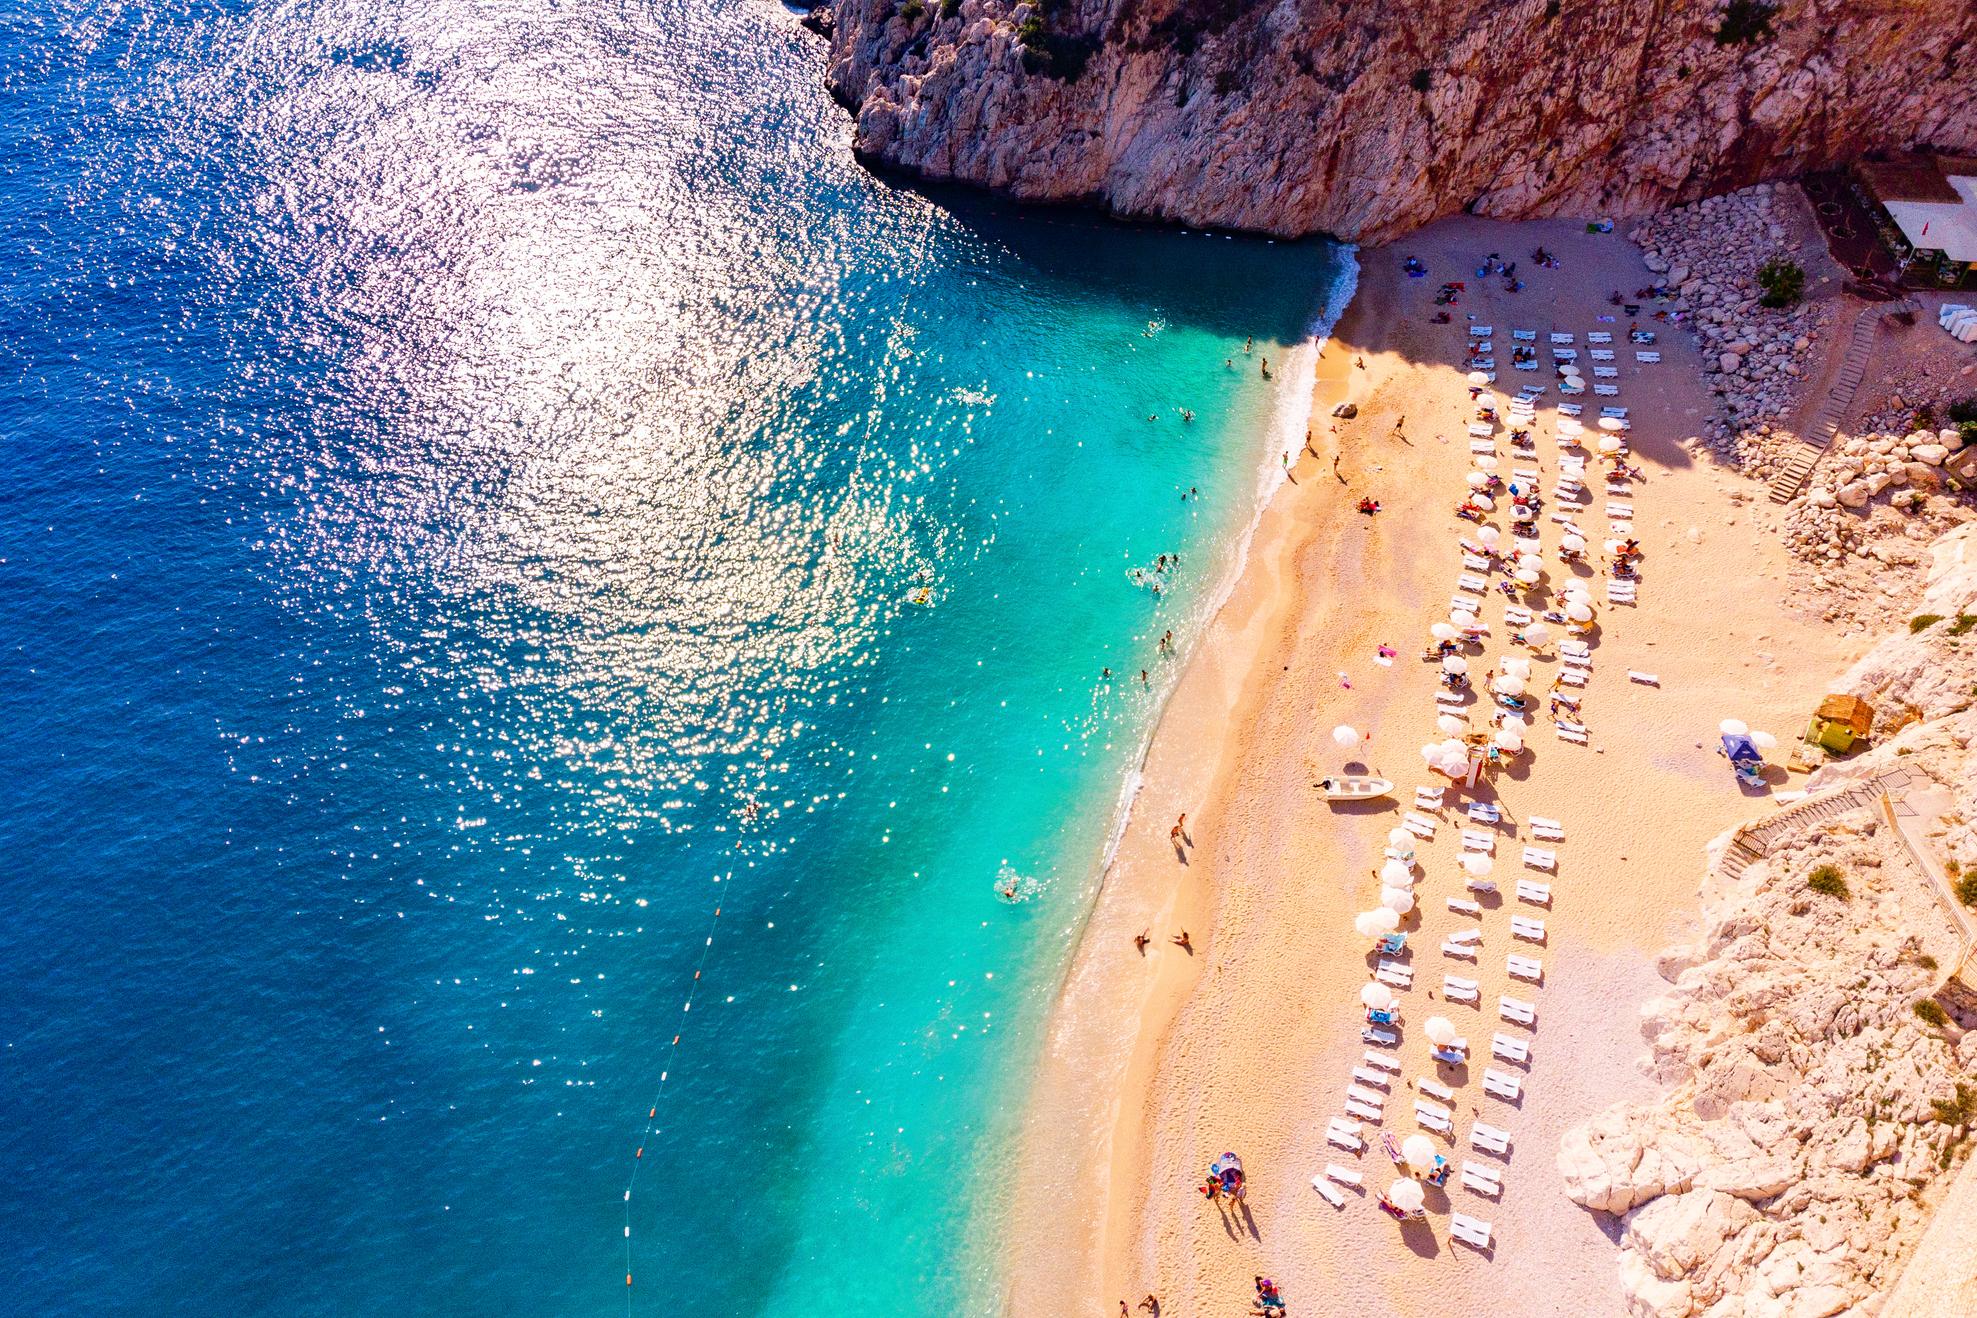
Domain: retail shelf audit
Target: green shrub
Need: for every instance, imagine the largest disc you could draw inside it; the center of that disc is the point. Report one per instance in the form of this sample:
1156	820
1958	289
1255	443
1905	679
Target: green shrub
1783	282
1964	622
1923	621
949	8
1955	1111
1932	1012
1964	409
1966	890
1051	55
1926	961
1744	21
1421	80
912	11
1828	879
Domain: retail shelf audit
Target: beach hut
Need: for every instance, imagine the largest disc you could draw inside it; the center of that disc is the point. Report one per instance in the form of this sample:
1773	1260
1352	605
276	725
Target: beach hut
1839	722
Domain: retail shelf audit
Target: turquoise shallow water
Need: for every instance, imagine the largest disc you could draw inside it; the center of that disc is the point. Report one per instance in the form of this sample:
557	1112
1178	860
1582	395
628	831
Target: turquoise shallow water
470	471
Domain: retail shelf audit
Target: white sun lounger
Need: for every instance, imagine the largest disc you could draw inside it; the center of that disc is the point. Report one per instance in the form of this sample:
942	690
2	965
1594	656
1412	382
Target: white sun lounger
1574	647
1509	1049
1529	929
1472	583
1571	677
1466	936
1480	331
1479	885
1620	510
1345	1134
1381	1060
1485	812
1600	354
1462	906
1434	1116
1447	702
1364	1111
1471	1231
1501	1084
1481	1178
1617	413
1606	372
1434	1088
1607	390
1562	338
1366	1075
1516	1010
1572	409
1490	1138
1364	1095
1392	972
1599	336
1538	894
1475	563
1385	1038
1524	336
1462	950
1428	798
1331	1195
1524	967
1457	989
1516	615
1620	596
1540	859
1344	1175
1572	732
1418	824
1476	840
1548	830
1649	357
1481	429
1645	679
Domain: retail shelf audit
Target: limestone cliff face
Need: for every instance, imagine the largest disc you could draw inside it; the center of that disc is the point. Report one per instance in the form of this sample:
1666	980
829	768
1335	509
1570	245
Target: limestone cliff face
1306	116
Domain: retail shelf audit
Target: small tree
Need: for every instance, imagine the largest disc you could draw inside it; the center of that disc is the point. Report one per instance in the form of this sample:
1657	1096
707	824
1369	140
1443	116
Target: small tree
1783	282
1744	21
1828	879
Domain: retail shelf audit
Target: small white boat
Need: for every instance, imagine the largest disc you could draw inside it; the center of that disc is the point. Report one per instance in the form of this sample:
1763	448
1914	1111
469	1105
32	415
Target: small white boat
1354	787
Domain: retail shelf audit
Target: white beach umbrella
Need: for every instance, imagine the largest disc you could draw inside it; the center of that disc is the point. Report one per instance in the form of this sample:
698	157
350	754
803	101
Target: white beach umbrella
1346	736
1398	900
1476	864
1527	576
1609	423
1733	727
1572	544
1387	920
1397	874
1407	1196
1484	462
1483	501
1431	753
1376	995
1455	766
1462	618
1364	926
1401	838
1453	746
1508	686
1443	631
1613	546
1537	635
1478	480
1764	741
1449	723
1489	535
1419	1151
1454	663
1508	742
1440	1030
1578	611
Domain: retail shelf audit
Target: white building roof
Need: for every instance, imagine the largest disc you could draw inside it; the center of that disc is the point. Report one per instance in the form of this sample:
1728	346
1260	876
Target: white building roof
1940	226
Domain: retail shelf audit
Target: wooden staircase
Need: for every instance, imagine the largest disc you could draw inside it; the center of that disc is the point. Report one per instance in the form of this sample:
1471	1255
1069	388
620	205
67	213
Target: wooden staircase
1820	431
1753	843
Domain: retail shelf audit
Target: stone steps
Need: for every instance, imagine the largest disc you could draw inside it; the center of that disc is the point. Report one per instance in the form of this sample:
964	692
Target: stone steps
1754	843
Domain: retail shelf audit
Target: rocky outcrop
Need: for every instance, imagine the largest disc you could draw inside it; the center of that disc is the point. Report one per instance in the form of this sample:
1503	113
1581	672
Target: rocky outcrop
1811	1114
1363	121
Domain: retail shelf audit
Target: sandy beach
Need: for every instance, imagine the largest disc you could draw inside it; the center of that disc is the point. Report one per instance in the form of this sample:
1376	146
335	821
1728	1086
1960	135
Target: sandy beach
1156	1064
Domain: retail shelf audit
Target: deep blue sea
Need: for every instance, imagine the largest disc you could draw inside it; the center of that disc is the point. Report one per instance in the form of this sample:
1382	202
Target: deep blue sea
484	486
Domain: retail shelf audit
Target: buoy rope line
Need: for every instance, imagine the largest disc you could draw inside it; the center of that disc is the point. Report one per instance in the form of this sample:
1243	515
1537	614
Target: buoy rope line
652	1129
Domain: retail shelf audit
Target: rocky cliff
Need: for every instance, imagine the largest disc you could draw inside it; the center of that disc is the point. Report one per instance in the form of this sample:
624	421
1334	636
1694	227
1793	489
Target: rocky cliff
1364	120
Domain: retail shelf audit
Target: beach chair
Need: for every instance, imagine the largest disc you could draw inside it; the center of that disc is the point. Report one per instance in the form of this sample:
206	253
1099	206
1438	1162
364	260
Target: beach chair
1482	1179
1509	1049
1524	336
1452	702
1546	830
1606	372
1484	812
1418	824
1524	364
1647	357
1368	1076
1501	1084
1381	1061
1600	354
1484	363
1395	975
1573	677
1599	336
1522	967
1457	989
1466	936
1471	1231
1480	885
1434	1088
1517	615
1538	894
1572	732
1538	858
1491	1139
1344	1175
1524	474
1617	413
1472	584
1474	839
1331	1195
1475	563
1480	331
1385	1038
1428	798
1364	1095
1481	429
1364	1111
1571	409
1645	679
1526	927
1462	906
1607	390
1532	392
1616	509
1620	597
1345	1134
1463	950
1575	647
1516	1010
1434	1118
1562	338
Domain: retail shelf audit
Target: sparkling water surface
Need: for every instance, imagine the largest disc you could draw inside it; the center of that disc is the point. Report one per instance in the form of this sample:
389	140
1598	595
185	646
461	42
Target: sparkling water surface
485	486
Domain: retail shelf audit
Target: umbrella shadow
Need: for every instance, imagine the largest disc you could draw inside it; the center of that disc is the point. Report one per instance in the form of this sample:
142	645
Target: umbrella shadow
1421	1238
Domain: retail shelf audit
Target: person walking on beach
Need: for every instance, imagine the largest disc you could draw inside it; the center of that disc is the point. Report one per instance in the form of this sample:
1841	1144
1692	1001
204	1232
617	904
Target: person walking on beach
1167	643
1140	940
1181	941
1143	681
